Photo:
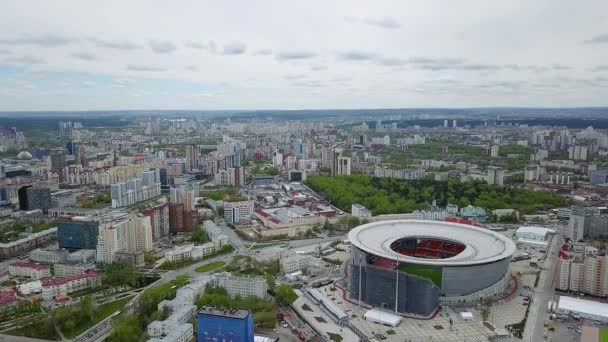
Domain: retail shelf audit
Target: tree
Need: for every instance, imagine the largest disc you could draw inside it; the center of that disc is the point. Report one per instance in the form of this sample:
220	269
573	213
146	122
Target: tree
270	280
86	307
285	294
199	236
486	309
120	274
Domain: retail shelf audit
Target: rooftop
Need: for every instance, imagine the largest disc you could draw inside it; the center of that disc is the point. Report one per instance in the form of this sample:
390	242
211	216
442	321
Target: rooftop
211	311
583	306
30	265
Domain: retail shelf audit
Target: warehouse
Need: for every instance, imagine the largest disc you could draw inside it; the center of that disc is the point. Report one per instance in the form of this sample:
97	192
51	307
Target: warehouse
583	308
382	317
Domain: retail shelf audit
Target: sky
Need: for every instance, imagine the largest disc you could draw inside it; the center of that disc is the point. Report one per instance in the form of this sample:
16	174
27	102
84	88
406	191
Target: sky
284	54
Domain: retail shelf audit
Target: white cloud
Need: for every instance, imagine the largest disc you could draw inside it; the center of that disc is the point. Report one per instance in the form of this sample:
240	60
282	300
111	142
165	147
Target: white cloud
392	52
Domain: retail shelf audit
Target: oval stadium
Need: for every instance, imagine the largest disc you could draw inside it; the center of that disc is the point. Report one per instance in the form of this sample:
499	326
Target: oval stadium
413	266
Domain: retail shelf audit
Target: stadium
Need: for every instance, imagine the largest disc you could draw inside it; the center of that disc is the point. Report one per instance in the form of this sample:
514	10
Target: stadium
413	266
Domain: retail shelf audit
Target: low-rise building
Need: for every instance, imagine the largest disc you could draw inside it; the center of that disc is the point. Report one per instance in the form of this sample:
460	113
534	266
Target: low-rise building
48	257
30	270
69	269
30	288
170	331
235	212
189	252
297	262
29	243
358	210
242	286
4	277
7	298
52	288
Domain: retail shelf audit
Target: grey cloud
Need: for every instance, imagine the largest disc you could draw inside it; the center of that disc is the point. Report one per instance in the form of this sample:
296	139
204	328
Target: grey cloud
295	76
4	52
23	60
561	67
307	84
144	68
122	82
475	66
318	67
392	61
192	68
383	22
196	45
85	56
263	52
162	46
293	55
352	19
45	40
601	39
235	48
88	84
603	67
356	56
115	44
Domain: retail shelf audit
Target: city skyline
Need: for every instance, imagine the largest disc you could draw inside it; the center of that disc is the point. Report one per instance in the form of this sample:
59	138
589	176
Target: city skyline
72	56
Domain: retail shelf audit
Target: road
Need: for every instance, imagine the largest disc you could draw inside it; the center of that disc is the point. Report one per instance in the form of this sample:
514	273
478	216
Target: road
103	329
543	292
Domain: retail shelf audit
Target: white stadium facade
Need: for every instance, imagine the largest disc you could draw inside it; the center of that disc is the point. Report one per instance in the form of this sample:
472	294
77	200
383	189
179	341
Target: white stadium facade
413	266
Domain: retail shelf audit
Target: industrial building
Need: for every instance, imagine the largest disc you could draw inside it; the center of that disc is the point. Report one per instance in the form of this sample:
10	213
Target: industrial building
411	266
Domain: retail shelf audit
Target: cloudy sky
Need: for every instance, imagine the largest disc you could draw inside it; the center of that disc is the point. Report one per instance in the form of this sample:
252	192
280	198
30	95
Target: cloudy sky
283	54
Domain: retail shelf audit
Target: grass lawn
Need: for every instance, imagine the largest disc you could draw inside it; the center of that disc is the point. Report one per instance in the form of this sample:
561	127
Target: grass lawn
210	266
428	272
334	337
101	312
604	335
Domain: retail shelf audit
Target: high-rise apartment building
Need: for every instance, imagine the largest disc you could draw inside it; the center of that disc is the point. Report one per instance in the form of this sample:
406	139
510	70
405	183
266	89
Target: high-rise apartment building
344	166
193	153
159	219
496	175
113	238
234	212
139	233
183	215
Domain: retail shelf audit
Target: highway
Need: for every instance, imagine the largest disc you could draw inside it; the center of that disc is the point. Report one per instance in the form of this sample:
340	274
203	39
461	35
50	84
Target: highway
542	293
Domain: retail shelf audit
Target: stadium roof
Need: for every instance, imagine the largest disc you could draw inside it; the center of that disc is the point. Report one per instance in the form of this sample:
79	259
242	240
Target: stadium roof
481	245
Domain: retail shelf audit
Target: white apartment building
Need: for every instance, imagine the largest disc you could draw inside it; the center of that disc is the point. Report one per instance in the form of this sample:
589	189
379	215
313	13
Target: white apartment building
169	331
52	288
243	286
188	252
234	212
140	233
297	262
113	237
68	269
48	257
344	166
30	270
358	210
